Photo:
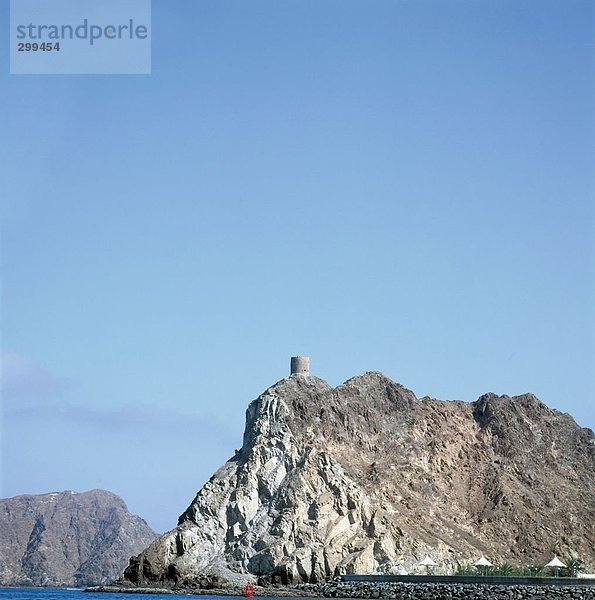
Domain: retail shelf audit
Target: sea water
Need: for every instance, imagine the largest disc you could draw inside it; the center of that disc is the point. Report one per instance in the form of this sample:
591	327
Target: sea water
73	594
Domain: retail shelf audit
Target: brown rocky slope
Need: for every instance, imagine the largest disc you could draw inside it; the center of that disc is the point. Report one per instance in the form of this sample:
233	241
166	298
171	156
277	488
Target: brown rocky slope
67	538
367	478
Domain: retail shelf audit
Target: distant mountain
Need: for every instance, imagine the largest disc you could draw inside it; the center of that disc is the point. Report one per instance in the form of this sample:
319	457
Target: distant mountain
367	478
67	538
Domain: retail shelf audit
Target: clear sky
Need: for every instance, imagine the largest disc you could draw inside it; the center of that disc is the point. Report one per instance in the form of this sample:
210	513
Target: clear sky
403	186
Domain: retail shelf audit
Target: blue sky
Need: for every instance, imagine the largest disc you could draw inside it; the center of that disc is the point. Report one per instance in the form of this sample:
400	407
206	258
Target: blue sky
402	186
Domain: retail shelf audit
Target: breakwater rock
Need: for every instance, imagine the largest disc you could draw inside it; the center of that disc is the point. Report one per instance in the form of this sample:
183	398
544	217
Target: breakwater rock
266	592
446	591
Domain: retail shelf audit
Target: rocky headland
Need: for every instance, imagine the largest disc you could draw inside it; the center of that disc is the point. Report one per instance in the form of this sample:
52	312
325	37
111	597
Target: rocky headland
367	478
67	538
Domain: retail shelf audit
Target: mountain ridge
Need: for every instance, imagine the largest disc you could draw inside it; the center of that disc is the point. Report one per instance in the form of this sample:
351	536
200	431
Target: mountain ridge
67	538
366	477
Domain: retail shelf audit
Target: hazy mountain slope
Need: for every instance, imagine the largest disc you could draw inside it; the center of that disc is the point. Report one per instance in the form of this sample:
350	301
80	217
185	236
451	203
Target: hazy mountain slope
67	538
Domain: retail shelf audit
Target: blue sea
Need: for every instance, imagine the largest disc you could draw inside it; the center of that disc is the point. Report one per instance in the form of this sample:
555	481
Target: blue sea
71	594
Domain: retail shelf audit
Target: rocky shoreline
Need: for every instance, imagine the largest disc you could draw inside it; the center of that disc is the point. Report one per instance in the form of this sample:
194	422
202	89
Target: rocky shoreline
391	591
264	592
447	591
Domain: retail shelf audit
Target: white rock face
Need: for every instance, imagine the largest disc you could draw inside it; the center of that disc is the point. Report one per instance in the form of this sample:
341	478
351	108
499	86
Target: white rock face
366	478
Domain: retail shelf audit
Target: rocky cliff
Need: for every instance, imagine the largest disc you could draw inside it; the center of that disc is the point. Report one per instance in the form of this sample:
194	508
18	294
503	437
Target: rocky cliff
67	538
367	478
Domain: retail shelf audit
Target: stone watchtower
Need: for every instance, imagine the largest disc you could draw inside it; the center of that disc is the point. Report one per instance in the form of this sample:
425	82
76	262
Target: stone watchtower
300	365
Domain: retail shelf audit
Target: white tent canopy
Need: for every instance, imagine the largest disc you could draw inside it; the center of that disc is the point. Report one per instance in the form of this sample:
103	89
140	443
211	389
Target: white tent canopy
427	562
482	562
556	563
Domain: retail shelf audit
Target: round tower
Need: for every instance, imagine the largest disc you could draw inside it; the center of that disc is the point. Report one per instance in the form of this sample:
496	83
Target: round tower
300	365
